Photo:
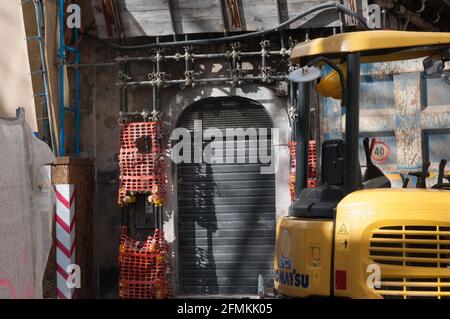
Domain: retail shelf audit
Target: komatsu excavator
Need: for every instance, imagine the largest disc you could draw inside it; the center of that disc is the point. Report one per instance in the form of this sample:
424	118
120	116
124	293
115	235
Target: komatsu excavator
353	235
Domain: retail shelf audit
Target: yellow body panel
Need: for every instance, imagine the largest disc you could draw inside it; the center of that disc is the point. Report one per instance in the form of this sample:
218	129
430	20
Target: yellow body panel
303	257
364	41
403	232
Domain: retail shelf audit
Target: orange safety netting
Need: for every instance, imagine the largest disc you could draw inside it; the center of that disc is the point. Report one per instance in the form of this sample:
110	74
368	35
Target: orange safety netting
312	166
143	267
142	161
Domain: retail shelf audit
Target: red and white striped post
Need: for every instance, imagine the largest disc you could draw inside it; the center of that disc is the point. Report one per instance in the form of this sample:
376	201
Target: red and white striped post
65	238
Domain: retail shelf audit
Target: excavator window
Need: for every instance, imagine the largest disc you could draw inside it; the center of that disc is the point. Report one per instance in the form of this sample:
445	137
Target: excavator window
333	164
373	176
320	202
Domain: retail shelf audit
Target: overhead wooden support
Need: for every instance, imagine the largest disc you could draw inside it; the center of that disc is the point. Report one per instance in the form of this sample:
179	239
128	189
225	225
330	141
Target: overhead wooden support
166	17
224	17
172	22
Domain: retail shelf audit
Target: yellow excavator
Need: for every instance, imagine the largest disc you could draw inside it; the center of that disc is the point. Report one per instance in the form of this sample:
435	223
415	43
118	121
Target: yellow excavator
353	235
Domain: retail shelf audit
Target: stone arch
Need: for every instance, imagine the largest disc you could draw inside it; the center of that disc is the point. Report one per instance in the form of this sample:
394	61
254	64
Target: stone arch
276	109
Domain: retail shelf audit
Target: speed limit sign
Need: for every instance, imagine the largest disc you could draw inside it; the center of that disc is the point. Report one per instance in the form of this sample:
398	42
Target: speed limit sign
380	152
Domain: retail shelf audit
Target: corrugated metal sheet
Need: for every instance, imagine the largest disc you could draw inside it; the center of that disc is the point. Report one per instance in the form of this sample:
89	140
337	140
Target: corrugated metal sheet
154	18
403	109
226	211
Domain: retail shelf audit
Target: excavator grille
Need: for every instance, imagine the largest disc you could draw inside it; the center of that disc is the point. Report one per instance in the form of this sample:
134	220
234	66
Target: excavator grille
419	254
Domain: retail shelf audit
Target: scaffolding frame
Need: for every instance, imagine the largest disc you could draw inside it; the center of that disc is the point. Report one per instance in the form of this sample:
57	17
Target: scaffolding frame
43	71
64	109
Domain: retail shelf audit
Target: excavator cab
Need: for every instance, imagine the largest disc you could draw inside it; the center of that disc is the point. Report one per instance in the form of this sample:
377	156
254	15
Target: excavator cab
373	176
354	235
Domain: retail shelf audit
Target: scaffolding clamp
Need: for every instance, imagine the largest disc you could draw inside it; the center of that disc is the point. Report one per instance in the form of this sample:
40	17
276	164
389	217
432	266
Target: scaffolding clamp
157	116
235	53
265	46
292	112
189	78
188	56
157	79
266	74
122	78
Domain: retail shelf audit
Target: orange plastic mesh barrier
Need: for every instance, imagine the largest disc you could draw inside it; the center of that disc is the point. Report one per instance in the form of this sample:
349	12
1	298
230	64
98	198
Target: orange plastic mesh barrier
142	161
312	166
143	267
293	151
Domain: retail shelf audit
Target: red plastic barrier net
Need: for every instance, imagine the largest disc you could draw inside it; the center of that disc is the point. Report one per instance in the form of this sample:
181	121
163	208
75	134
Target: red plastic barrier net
142	161
312	166
143	267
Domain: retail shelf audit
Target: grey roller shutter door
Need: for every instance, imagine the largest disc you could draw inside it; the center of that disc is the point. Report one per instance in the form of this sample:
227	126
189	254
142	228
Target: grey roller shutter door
226	211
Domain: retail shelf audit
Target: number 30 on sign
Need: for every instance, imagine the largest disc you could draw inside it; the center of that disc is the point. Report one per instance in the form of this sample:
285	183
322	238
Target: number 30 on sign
381	152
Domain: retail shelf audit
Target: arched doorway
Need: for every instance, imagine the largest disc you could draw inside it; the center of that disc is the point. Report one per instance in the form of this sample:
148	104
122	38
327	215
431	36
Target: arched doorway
226	209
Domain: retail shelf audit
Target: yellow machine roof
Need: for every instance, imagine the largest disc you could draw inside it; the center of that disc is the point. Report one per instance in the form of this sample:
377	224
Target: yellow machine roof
384	45
397	199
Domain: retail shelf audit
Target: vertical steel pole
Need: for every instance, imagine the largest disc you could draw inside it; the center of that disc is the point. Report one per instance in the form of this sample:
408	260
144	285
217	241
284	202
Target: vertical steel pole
303	107
62	58
291	92
352	169
341	19
77	95
38	7
157	107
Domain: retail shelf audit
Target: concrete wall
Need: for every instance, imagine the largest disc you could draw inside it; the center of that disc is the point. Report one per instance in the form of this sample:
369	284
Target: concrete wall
99	107
16	89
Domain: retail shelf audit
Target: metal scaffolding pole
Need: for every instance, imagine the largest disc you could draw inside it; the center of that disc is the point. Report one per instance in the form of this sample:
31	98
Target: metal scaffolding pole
62	55
39	12
157	79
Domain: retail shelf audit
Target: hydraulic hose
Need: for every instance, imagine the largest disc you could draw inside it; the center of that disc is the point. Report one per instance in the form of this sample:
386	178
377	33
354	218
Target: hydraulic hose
337	6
